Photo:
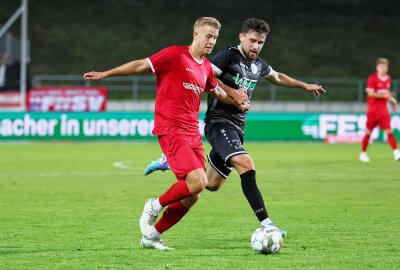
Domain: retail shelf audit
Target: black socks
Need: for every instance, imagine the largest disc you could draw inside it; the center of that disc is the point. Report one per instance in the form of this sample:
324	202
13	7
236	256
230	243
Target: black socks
253	195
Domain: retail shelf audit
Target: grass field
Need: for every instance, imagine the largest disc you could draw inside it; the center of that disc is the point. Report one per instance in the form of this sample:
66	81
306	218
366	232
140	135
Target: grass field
65	206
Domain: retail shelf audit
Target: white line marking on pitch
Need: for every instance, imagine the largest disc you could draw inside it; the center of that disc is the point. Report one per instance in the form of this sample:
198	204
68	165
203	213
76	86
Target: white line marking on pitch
124	164
66	174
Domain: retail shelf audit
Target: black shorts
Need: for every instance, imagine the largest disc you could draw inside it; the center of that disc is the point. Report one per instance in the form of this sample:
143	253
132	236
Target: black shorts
226	142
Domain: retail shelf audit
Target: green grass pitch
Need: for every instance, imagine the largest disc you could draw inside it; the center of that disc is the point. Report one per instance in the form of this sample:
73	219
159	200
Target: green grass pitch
65	206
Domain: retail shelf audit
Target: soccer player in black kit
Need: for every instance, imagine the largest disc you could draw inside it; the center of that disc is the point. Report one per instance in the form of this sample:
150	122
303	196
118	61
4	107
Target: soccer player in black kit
238	69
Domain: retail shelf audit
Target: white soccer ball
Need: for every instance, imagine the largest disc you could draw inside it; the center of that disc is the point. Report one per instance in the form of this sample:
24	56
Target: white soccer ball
266	240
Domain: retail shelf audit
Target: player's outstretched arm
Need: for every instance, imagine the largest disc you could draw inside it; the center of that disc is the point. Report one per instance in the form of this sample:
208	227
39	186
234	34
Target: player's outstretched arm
134	67
282	79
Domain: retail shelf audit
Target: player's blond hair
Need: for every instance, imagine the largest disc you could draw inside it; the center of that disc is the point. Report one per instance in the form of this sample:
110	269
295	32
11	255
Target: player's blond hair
207	21
382	60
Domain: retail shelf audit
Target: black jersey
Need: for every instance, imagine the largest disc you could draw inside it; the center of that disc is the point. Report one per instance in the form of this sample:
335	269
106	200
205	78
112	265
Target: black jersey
236	71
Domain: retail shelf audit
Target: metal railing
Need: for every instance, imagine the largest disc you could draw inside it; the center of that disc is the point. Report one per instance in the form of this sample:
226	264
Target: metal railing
144	87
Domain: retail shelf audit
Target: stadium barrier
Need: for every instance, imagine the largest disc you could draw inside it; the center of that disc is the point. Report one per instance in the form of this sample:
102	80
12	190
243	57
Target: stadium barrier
143	87
138	126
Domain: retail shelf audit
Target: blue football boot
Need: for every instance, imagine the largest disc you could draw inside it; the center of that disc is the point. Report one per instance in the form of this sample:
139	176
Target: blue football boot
160	164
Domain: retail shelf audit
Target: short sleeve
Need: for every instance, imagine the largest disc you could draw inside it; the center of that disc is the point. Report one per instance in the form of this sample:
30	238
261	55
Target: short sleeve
371	84
222	60
163	61
266	70
211	82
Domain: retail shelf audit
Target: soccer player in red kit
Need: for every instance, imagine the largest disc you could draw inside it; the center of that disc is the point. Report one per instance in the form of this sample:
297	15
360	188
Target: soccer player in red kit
378	90
183	74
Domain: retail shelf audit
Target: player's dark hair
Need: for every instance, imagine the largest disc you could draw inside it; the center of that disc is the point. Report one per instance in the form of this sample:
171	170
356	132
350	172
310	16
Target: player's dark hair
256	25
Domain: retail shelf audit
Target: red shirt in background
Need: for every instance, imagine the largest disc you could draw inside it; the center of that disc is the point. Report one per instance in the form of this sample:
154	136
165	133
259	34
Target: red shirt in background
376	84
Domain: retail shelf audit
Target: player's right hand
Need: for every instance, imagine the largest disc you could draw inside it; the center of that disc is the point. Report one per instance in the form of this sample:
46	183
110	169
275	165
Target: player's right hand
94	75
315	89
239	96
244	107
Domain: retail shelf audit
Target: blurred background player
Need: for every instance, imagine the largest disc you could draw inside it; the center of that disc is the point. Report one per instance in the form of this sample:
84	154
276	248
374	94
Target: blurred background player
9	73
3	69
378	91
183	74
238	69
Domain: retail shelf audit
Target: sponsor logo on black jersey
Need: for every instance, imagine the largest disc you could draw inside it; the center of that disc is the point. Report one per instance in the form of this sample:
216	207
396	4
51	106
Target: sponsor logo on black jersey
245	83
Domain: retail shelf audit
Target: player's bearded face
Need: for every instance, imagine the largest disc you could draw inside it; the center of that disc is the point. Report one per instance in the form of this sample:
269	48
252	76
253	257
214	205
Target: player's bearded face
252	43
205	38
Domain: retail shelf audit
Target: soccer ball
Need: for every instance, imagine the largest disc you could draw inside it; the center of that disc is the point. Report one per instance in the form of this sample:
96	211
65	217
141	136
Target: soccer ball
266	240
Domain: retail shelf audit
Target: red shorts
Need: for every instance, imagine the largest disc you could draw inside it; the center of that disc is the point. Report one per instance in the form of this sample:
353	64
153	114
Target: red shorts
383	121
184	153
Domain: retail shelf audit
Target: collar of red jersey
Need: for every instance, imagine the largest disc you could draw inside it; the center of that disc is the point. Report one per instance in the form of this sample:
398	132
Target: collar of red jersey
199	62
384	78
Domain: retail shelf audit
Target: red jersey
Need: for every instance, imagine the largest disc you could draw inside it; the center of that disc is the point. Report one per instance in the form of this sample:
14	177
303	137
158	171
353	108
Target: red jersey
376	84
181	80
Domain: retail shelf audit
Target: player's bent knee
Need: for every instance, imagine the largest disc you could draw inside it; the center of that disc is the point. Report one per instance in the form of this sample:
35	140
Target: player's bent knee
243	163
197	181
193	188
203	182
197	187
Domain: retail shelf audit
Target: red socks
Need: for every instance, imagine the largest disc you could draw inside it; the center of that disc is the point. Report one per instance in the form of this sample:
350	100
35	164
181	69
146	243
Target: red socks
172	214
365	142
175	193
392	141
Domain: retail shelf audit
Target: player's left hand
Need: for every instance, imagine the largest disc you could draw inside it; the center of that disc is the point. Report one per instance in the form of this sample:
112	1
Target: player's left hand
315	89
